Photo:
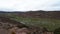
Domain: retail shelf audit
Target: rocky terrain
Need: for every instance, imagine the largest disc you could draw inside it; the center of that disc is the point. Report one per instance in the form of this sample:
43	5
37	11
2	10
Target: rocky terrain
35	14
8	26
41	14
11	26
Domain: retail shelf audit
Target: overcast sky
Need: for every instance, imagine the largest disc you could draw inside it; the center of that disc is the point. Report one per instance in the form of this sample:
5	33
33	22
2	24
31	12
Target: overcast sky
26	5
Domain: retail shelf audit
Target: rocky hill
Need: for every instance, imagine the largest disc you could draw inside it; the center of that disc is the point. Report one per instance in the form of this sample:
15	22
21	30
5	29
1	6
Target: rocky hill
35	14
6	22
12	26
8	26
39	14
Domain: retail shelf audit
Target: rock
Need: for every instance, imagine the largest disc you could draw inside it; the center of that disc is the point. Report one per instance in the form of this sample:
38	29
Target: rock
9	26
6	24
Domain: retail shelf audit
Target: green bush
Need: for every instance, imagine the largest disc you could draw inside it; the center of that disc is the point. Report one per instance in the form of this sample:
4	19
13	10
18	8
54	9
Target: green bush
57	31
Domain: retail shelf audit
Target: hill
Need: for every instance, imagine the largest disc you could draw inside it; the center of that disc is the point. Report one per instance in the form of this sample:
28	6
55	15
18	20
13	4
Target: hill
48	19
40	14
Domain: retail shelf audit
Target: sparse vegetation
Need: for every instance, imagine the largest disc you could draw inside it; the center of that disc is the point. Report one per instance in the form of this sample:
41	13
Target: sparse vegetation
49	20
50	24
57	31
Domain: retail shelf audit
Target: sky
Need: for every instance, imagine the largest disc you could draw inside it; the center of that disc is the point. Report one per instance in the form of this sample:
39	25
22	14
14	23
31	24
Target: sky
27	5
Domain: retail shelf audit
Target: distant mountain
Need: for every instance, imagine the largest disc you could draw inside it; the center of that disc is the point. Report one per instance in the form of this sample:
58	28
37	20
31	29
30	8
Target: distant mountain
40	14
1	11
34	14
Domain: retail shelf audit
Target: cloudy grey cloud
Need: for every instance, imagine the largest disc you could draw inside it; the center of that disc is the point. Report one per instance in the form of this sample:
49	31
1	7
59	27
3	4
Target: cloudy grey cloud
25	5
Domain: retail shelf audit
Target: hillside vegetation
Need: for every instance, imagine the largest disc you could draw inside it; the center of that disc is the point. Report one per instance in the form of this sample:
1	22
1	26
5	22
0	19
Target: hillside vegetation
50	20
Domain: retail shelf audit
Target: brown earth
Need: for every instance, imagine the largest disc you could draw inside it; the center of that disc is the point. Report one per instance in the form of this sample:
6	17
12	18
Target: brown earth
34	14
40	14
8	26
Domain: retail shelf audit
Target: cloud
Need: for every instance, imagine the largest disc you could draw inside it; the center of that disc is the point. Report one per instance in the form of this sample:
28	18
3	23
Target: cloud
25	5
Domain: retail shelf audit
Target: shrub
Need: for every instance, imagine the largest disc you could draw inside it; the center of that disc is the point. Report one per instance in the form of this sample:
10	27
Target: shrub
57	31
